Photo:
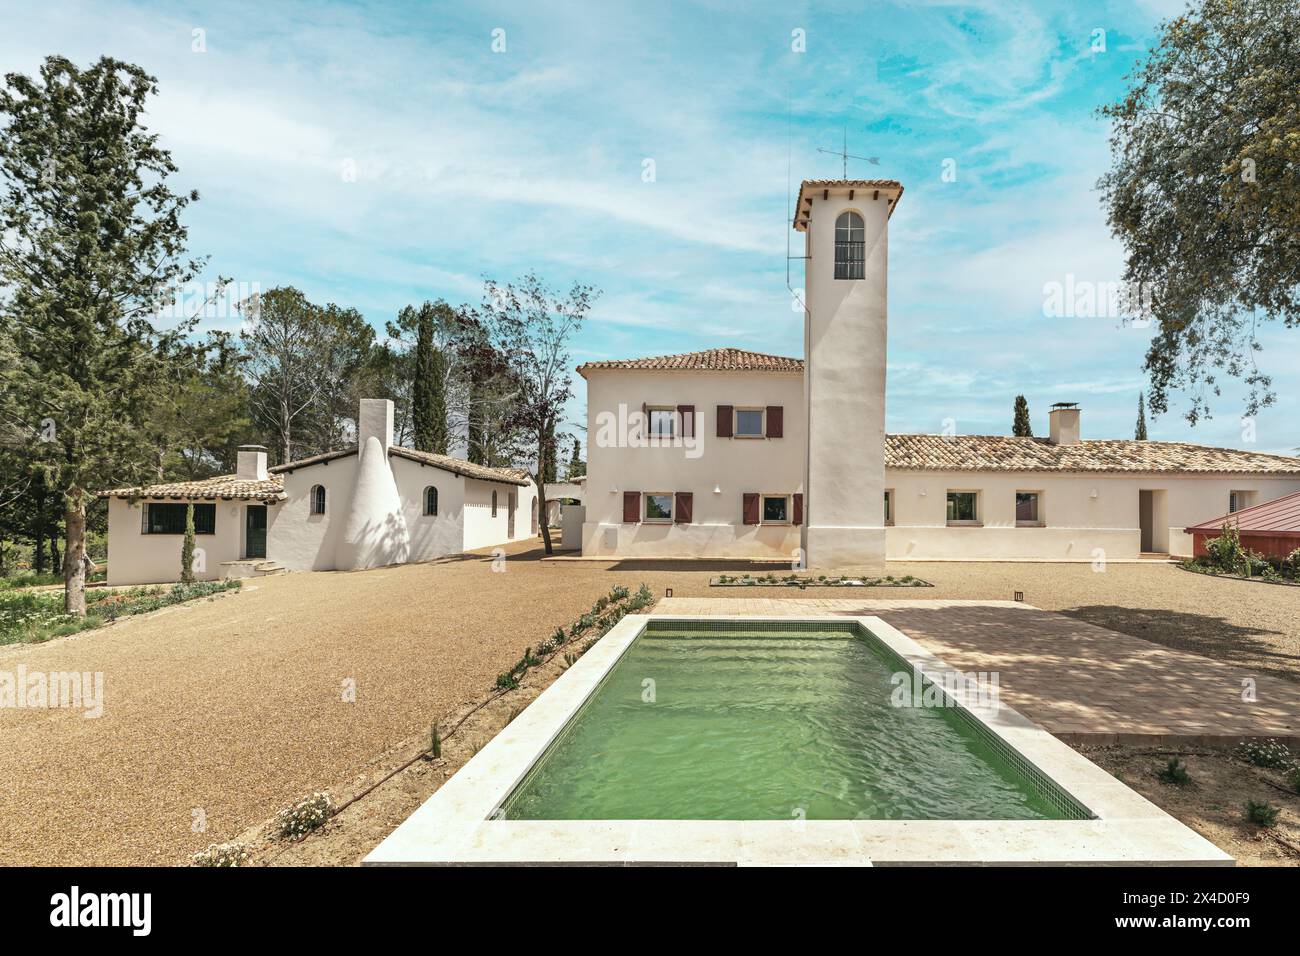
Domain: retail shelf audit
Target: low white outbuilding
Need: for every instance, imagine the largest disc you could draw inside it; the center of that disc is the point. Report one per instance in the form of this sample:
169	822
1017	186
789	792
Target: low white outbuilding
375	505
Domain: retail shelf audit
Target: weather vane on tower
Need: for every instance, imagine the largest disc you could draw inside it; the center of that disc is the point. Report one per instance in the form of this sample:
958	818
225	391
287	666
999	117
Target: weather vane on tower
845	155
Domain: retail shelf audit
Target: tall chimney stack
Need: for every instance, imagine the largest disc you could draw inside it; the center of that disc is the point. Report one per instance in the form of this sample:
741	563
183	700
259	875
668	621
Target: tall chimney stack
1063	422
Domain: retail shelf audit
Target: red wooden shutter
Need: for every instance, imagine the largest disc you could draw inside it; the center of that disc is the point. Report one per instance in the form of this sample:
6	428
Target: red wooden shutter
724	421
687	415
631	507
775	421
798	509
682	513
750	507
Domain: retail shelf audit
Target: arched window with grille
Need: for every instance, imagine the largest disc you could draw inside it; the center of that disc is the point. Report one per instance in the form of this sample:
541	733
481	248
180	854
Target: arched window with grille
431	501
318	499
850	242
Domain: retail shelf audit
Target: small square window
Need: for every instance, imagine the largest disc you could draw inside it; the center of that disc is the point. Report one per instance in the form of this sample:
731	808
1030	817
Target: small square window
749	423
663	422
1238	500
1027	509
658	507
776	510
962	507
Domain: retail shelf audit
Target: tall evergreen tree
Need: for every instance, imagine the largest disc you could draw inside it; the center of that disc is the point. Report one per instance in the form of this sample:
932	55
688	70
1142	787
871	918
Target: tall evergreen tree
429	385
1140	433
91	247
187	546
577	467
1020	426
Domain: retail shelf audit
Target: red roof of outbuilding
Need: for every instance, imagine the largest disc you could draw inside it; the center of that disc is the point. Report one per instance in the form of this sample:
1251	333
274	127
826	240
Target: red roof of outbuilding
1281	515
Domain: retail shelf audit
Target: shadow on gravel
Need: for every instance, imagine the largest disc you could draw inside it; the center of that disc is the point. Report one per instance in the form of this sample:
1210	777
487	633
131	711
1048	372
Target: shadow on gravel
1202	634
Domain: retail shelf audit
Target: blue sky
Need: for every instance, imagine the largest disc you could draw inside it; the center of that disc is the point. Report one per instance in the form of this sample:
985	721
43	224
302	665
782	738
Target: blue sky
470	162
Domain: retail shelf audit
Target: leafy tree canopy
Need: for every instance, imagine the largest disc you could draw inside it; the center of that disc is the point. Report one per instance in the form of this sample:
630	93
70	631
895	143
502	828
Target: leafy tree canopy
1203	193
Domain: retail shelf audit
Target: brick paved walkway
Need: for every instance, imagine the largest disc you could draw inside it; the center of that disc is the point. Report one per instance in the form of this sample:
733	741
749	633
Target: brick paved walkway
1083	683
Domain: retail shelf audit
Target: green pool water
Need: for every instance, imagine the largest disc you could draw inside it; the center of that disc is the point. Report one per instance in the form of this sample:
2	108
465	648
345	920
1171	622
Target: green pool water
767	725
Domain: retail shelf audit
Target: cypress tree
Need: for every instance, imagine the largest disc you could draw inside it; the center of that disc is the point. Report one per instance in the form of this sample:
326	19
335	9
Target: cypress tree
1140	432
1020	426
187	547
428	390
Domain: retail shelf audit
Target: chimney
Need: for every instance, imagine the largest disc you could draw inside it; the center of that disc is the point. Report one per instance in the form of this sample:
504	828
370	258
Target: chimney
1064	423
375	420
251	463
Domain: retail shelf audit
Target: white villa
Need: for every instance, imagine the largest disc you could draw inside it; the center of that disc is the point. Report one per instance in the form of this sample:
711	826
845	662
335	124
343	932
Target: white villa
366	507
724	453
736	454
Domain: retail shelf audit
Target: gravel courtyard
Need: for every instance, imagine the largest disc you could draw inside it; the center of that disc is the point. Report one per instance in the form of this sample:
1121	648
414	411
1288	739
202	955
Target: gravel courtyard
219	713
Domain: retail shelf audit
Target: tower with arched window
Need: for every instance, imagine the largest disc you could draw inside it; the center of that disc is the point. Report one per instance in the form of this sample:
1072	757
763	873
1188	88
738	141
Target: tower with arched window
846	242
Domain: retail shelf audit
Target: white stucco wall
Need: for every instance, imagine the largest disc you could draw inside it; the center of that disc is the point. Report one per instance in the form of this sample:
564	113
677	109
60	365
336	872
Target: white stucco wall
137	558
303	541
482	530
732	465
431	536
845	344
1075	523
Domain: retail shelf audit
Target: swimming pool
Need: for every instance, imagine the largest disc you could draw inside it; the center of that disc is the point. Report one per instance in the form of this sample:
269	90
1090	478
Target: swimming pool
759	740
768	721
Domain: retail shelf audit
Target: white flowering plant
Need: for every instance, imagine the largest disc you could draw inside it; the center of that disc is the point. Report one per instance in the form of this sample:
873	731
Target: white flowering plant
222	854
304	816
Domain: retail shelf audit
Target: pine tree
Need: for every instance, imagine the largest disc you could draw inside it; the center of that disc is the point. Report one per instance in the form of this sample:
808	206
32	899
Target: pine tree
91	246
1020	426
1140	433
187	546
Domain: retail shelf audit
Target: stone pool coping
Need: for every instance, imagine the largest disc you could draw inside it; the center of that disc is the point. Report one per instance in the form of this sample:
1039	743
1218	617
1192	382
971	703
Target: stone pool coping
456	826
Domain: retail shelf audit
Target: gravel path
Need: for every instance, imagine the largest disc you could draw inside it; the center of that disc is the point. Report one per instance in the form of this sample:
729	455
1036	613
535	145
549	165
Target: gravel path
225	711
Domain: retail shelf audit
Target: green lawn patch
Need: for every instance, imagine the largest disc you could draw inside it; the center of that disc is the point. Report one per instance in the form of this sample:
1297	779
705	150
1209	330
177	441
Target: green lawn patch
31	617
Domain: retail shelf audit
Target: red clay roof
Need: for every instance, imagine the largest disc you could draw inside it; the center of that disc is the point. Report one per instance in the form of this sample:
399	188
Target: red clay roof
223	487
1006	453
813	190
710	360
1281	515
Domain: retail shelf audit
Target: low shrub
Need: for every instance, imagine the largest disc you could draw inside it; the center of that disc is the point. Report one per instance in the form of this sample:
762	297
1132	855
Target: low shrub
304	816
1175	773
1293	779
1262	813
1267	753
222	854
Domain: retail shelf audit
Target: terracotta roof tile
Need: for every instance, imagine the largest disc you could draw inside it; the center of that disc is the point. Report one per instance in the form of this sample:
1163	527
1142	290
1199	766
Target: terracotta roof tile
1004	453
225	487
459	466
711	360
812	190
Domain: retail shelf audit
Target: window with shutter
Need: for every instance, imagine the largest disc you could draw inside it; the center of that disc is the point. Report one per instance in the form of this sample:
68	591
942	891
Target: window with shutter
749	507
687	415
775	421
724	421
631	507
685	504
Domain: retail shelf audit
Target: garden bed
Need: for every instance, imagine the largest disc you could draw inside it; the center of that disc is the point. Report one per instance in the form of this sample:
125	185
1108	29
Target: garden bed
35	616
816	581
1277	577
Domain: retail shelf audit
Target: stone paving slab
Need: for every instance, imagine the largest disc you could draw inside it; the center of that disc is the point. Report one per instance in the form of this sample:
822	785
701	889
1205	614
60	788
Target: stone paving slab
1084	684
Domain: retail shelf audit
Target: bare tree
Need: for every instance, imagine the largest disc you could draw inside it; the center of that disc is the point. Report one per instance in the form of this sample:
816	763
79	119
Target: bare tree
530	325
